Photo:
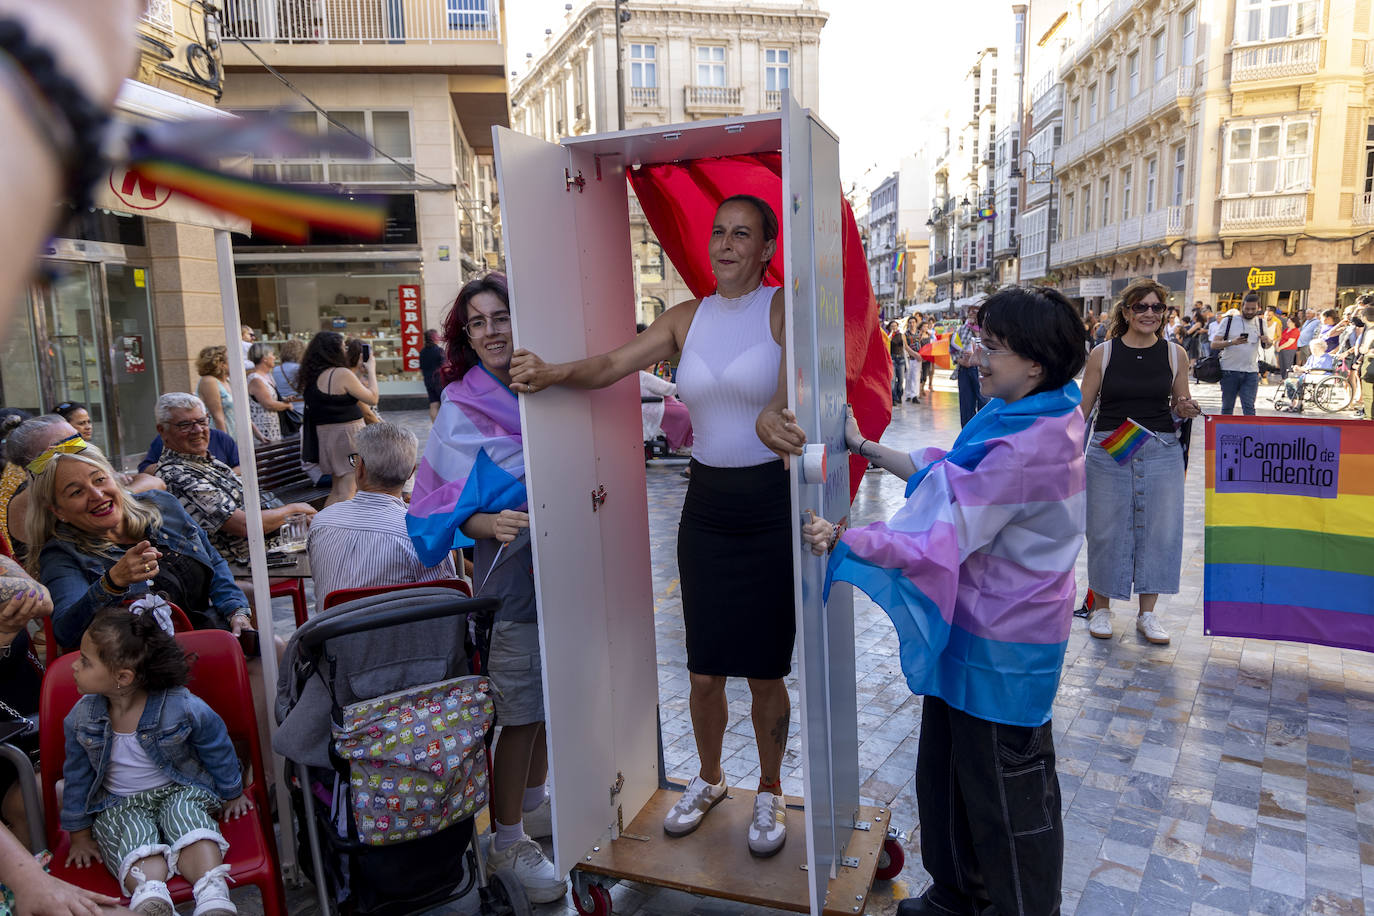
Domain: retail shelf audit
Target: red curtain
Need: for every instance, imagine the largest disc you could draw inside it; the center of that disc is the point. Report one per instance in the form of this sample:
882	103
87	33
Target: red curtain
680	201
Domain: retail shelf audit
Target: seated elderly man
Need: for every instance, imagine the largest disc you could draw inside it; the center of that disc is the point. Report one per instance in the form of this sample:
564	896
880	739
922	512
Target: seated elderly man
362	542
26	442
222	446
208	489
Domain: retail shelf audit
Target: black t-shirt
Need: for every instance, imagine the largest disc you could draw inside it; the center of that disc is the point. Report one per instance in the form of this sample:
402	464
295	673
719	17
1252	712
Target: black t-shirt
431	360
1137	385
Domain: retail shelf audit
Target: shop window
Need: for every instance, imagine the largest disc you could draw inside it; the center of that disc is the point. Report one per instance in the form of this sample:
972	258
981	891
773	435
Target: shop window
1268	157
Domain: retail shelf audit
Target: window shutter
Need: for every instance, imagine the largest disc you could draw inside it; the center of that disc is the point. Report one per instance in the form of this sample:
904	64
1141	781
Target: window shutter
1347	210
1354	144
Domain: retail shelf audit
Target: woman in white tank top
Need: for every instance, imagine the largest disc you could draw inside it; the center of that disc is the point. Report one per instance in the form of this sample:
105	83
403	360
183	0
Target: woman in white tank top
735	538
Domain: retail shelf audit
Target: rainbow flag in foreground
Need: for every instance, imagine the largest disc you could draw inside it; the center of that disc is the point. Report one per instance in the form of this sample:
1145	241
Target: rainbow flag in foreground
1289	545
1126	440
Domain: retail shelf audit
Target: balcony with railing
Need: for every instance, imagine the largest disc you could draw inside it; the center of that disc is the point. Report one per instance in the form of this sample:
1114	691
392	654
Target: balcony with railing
1275	59
387	33
362	21
1176	85
715	99
644	97
772	100
1279	211
1047	104
941	267
1364	207
1033	265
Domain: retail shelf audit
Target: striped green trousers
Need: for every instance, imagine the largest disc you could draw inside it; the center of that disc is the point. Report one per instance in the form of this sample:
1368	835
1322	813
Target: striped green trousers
161	821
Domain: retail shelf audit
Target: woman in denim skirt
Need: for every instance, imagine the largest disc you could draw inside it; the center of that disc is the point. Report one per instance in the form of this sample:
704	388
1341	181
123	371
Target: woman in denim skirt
1135	509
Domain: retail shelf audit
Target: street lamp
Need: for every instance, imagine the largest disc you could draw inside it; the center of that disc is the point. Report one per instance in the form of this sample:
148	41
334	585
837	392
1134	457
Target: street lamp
1040	173
622	16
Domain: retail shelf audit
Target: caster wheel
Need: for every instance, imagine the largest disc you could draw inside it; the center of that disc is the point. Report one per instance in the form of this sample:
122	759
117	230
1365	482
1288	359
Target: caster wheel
890	860
507	895
597	902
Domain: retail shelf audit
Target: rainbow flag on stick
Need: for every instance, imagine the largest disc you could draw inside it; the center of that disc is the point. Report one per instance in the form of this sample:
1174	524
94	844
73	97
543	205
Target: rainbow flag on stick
1126	440
937	352
1289	553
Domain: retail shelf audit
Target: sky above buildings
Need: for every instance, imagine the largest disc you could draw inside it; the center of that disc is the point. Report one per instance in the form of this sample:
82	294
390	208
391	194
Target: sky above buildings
889	69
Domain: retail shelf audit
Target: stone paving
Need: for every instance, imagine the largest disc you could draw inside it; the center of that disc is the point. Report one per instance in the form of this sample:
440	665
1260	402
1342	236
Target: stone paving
1211	776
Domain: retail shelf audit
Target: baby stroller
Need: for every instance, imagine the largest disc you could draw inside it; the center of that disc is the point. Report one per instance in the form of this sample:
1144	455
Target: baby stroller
387	728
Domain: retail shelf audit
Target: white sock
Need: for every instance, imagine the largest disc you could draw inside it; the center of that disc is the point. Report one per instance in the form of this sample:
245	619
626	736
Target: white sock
507	835
534	797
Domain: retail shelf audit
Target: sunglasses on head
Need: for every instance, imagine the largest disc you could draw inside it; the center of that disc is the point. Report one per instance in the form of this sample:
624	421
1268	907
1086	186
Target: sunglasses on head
1140	308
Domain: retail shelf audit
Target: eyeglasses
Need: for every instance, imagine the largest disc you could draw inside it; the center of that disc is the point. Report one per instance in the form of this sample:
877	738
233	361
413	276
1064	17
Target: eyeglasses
186	426
481	326
353	459
1140	308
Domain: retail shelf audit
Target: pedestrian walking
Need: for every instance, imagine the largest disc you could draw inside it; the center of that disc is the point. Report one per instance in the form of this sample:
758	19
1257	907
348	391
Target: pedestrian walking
1135	507
896	343
1239	337
962	345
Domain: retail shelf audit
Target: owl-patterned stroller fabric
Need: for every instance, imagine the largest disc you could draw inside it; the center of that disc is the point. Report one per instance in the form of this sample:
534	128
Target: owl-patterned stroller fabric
385	723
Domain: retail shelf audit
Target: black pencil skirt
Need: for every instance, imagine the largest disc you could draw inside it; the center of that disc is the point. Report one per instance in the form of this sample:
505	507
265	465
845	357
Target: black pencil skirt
734	557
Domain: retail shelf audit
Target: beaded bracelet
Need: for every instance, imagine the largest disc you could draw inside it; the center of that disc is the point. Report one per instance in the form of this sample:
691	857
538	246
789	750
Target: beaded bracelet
75	126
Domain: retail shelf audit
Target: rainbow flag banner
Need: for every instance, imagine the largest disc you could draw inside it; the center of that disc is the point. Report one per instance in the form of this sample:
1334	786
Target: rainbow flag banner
937	352
1289	546
1126	440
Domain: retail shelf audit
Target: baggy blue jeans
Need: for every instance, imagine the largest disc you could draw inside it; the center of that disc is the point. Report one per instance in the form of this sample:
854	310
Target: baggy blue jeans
1234	382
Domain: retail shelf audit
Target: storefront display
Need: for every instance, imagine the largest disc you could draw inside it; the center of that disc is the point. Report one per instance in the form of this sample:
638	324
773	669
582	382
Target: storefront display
282	301
1284	288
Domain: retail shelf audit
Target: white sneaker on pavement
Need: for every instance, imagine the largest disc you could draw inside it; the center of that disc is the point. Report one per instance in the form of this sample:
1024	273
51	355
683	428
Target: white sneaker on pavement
1100	623
1150	627
539	821
767	832
698	798
526	861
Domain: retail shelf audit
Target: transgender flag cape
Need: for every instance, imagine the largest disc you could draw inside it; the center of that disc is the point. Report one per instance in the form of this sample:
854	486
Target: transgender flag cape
976	570
474	462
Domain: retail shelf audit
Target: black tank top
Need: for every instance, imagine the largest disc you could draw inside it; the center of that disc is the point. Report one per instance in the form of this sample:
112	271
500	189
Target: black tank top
1136	385
322	409
898	345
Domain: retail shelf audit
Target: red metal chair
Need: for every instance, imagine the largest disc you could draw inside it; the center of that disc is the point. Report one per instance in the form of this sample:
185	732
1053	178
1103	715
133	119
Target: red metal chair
180	622
219	677
295	587
339	596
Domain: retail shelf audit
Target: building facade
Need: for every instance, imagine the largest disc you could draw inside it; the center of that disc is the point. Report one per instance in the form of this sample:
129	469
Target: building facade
1218	146
898	239
683	61
423	87
963	205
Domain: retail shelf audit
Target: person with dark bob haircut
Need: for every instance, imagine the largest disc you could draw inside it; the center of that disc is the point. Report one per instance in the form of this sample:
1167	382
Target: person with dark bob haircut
734	546
976	572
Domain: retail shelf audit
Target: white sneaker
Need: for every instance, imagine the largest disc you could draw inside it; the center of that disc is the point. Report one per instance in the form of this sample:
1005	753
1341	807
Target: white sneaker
526	861
150	898
1100	623
698	798
212	894
1149	626
539	822
767	832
